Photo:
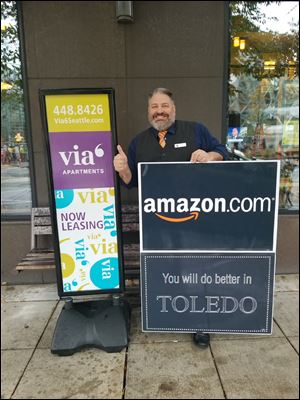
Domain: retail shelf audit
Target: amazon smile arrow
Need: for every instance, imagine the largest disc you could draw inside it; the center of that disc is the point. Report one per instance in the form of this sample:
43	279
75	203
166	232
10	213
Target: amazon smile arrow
194	215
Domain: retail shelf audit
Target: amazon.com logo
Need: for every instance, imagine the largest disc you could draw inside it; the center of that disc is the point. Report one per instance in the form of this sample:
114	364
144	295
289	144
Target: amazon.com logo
190	209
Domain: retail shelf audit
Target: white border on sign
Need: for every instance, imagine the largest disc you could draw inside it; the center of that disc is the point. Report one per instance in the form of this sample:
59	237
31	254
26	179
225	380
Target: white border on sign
215	250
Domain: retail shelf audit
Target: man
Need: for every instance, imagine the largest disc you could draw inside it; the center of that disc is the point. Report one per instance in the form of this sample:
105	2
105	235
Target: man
235	133
168	140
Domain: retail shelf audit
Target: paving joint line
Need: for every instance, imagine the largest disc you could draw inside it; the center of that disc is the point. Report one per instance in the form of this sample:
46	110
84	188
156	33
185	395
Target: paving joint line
286	337
218	373
34	349
125	373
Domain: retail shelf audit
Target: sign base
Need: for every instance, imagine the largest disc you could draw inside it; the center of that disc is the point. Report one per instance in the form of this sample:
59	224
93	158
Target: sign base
103	324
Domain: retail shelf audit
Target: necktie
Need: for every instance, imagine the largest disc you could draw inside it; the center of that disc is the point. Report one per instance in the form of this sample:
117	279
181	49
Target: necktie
161	136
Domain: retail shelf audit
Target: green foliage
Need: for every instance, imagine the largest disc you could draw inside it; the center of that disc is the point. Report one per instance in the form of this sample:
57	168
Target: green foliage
10	53
260	45
246	15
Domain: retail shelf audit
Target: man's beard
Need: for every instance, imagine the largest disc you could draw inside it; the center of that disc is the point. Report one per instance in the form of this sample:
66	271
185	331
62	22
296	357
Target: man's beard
162	125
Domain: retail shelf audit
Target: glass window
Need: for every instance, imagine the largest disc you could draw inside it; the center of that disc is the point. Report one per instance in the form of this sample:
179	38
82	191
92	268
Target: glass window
263	110
15	177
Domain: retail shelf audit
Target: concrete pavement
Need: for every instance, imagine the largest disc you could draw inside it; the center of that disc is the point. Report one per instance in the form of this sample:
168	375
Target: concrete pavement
155	365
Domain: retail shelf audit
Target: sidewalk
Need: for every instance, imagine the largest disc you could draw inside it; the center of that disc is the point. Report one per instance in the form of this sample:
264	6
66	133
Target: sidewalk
155	365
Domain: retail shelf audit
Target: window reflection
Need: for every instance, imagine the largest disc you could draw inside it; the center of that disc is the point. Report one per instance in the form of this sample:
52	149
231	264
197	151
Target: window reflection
264	89
15	178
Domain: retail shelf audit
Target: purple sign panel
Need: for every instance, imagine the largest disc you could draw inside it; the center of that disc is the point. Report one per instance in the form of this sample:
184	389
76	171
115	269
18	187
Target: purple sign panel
81	160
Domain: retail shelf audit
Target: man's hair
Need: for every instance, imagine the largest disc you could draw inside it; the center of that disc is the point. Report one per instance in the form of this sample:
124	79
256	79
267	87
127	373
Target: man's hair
163	91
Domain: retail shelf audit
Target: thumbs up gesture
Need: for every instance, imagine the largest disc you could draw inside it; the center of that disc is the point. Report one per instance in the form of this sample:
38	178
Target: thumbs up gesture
120	160
121	165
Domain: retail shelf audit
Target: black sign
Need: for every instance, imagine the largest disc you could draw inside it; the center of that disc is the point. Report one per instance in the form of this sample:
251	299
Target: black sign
209	206
207	292
208	241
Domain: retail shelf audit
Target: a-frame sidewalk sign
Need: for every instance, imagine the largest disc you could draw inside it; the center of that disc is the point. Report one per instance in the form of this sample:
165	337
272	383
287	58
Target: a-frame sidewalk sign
80	137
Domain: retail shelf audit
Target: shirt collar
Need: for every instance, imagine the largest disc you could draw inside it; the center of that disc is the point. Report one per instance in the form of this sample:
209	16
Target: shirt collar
170	130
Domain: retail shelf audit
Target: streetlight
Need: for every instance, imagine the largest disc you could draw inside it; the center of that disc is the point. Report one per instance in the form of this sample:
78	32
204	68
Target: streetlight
242	44
236	41
239	42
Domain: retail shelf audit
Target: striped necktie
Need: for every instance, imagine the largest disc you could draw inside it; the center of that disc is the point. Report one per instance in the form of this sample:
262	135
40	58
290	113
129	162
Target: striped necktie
162	135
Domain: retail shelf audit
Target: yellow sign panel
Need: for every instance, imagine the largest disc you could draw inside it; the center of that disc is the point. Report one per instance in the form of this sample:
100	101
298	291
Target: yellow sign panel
78	113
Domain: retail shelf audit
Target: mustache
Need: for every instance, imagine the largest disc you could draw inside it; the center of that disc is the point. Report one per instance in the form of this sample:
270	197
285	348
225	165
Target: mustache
162	114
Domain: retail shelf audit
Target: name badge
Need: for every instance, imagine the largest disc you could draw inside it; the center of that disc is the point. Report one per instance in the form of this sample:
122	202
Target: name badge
177	145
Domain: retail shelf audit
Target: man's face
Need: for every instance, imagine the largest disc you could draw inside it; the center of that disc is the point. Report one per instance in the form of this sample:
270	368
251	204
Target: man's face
161	111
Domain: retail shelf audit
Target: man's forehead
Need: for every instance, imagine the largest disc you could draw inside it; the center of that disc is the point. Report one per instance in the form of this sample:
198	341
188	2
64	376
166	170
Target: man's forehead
160	98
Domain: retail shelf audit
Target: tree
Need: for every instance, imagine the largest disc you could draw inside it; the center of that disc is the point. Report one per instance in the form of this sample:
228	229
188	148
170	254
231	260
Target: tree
246	20
12	104
10	52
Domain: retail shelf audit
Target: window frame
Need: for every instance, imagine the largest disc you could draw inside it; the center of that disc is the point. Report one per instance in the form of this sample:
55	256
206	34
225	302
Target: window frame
27	126
225	116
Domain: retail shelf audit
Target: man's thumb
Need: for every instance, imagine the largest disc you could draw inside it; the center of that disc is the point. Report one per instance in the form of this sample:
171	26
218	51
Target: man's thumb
120	150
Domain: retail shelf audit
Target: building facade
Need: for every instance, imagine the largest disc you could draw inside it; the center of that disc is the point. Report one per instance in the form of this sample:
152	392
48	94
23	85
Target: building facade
184	46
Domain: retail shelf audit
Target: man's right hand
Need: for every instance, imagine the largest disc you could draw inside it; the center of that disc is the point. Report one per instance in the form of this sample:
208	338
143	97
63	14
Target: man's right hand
120	160
121	165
